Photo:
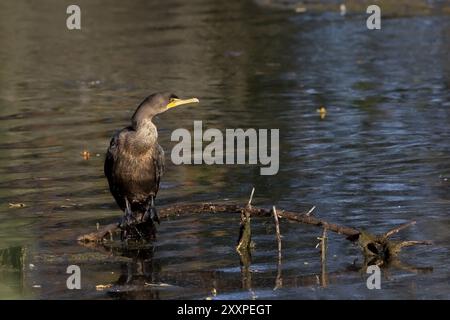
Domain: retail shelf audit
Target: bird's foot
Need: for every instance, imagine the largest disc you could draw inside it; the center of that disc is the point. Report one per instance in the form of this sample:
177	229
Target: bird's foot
129	225
127	221
152	214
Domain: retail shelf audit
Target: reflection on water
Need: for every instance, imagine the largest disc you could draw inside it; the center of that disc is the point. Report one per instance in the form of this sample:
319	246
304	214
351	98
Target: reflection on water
380	156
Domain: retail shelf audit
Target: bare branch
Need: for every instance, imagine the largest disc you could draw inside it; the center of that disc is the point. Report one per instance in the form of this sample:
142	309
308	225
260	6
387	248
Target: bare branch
277	229
251	198
279	279
397	229
410	243
310	211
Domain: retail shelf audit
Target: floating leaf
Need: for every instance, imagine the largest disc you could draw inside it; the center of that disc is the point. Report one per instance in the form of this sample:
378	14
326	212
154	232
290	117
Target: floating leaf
17	205
101	287
322	111
86	155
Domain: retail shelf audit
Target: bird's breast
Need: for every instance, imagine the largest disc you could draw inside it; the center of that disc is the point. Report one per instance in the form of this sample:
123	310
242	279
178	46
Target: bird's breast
136	175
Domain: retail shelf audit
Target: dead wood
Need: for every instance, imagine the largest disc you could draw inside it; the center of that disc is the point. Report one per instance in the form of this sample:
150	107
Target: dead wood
372	245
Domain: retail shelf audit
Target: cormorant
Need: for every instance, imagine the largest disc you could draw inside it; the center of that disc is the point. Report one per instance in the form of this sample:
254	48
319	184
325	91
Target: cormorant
134	164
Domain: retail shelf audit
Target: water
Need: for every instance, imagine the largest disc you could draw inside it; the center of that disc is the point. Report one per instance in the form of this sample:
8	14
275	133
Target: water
380	157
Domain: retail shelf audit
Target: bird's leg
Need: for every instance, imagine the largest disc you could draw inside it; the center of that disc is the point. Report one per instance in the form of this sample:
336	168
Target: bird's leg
128	219
128	223
151	211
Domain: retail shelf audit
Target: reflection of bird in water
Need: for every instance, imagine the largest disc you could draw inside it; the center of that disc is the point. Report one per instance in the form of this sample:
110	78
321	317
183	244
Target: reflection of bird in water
139	276
134	165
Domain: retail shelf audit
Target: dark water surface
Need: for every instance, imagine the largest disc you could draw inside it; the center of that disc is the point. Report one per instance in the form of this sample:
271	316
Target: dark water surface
381	156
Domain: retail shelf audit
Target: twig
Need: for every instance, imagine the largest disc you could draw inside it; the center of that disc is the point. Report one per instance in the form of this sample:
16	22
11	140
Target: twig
310	211
251	198
323	246
410	243
323	257
397	229
277	229
279	279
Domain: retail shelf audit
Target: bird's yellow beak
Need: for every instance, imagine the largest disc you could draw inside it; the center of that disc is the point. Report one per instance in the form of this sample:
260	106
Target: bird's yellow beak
178	102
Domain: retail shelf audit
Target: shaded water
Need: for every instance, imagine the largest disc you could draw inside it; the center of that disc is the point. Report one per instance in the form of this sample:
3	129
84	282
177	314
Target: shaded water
381	156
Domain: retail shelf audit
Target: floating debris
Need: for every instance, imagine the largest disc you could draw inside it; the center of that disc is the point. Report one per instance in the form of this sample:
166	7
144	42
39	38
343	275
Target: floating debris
94	82
157	284
322	111
17	205
101	287
343	9
300	9
86	155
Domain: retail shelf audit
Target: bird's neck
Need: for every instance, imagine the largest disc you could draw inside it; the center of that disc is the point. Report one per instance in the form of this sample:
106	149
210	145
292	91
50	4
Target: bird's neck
146	136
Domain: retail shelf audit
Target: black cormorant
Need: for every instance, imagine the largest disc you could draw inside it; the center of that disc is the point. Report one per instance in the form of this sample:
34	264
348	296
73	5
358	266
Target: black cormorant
134	162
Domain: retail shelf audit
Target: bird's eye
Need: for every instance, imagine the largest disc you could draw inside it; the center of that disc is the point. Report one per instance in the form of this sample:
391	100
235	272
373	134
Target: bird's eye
172	99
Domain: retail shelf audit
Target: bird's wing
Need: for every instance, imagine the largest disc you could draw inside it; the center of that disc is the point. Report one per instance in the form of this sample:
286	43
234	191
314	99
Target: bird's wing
110	160
158	163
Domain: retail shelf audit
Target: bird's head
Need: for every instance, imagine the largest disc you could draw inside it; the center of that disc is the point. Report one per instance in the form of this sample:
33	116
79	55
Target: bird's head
157	103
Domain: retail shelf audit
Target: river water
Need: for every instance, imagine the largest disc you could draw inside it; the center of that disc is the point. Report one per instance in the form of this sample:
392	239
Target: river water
379	158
